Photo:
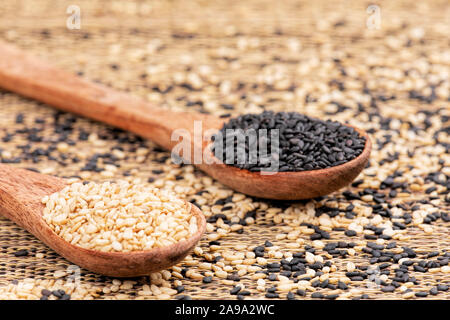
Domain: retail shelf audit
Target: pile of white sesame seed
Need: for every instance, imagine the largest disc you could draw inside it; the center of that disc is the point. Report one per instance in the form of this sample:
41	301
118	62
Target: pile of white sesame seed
118	216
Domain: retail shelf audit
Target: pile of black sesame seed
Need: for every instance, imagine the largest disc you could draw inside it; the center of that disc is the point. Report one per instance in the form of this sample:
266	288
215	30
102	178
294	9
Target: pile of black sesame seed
304	144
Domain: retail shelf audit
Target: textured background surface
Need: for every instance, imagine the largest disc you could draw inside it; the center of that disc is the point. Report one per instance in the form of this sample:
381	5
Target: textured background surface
316	57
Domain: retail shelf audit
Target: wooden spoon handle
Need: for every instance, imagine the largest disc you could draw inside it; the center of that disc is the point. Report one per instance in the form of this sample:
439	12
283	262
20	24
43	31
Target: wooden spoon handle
32	77
21	192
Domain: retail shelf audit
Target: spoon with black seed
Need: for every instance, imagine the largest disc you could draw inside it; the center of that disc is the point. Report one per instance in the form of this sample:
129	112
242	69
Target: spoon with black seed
32	77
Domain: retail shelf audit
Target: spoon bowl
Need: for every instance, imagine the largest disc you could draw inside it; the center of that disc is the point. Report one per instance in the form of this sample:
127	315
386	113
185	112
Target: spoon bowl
291	185
21	192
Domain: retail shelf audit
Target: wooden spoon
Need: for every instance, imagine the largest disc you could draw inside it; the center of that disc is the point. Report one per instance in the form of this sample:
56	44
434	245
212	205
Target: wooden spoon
21	192
32	77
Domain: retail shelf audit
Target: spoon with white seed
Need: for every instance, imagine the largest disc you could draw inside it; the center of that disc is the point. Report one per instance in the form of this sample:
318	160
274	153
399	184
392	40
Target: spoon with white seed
21	194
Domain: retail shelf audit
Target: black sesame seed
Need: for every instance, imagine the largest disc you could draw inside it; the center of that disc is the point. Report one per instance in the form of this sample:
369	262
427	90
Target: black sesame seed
399	225
350	233
234	277
301	293
430	190
442	287
419	268
384	265
421	294
407	262
46	292
272	289
180	289
342	285
315	284
19	118
58	293
235	290
375	246
389	288
317	295
391	245
433	254
268	244
434	291
21	253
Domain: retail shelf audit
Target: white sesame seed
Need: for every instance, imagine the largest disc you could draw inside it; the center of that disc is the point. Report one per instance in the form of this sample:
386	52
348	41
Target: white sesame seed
351	266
